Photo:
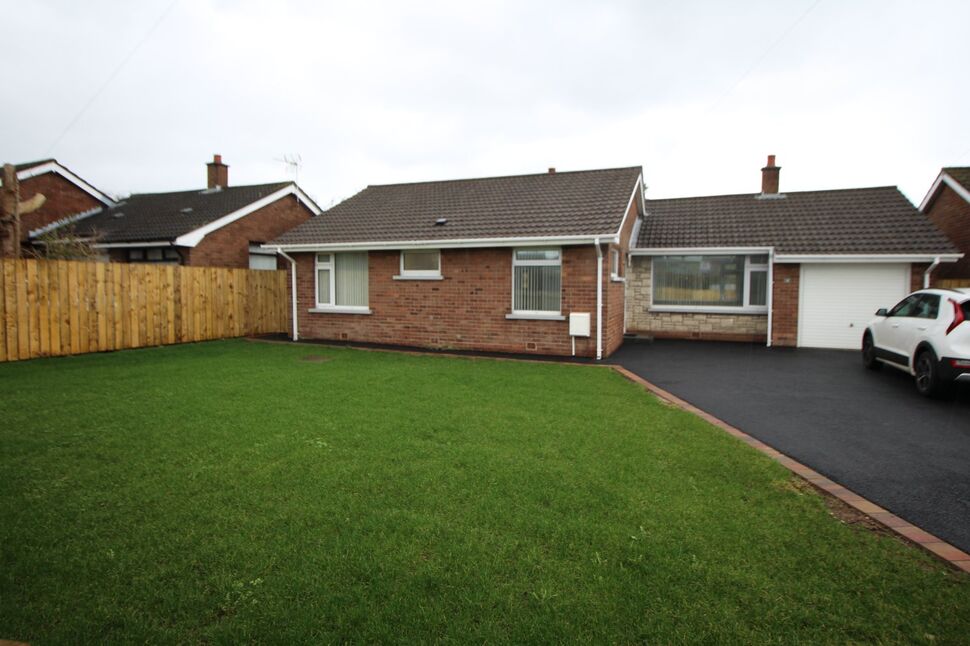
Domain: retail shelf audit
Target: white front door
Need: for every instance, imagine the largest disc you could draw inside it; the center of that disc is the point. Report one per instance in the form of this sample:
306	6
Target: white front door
837	301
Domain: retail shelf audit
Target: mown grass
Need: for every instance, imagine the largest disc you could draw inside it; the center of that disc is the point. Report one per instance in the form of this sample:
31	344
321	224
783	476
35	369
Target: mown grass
230	492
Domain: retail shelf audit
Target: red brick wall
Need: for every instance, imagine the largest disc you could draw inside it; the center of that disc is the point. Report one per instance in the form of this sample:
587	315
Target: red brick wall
916	275
614	292
465	311
951	213
229	246
63	199
784	304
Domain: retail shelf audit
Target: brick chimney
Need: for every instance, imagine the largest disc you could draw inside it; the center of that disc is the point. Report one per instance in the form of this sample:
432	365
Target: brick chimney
218	172
552	170
769	177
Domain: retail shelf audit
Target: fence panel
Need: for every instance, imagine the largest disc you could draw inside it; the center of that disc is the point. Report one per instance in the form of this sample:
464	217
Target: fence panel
60	307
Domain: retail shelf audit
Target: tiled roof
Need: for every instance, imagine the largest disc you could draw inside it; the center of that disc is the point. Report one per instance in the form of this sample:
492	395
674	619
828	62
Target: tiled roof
960	174
148	217
29	165
581	203
851	221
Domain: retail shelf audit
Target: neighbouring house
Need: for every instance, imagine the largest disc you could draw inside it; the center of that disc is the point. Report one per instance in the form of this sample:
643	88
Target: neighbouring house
529	263
806	268
220	225
947	204
65	194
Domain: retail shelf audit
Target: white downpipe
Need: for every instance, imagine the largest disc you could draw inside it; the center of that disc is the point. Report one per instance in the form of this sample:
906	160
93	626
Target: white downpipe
296	327
599	299
929	270
771	290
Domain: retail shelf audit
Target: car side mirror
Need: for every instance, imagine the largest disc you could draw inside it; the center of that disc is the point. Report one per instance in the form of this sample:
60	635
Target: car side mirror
882	311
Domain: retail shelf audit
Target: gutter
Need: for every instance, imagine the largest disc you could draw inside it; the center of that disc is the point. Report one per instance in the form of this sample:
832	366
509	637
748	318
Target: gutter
771	289
929	270
599	299
296	331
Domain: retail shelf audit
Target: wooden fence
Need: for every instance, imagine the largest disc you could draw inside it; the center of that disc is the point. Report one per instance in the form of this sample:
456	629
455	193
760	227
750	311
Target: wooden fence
60	307
948	283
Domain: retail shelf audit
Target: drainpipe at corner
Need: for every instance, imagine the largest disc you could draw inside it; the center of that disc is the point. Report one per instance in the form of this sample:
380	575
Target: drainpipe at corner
929	270
599	299
279	250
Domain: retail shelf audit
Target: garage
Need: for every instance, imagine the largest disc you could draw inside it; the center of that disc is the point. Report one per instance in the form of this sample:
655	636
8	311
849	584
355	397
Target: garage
836	301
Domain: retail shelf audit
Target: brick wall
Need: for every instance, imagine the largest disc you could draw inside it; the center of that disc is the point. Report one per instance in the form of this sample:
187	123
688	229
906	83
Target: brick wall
614	291
951	213
784	303
465	310
684	325
229	246
63	199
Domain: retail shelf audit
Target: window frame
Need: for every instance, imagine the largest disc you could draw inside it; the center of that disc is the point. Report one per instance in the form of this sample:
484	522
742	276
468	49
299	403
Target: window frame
536	314
331	306
419	274
615	265
745	308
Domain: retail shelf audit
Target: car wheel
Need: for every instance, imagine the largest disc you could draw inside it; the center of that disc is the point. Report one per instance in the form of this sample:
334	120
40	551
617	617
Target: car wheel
869	353
927	374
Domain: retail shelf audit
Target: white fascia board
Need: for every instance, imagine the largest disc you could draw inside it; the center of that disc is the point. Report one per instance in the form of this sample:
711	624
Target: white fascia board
56	224
54	167
193	238
943	178
699	251
626	212
865	258
125	245
469	243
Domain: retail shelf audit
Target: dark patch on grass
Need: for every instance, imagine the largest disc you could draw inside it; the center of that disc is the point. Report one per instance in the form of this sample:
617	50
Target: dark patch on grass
315	358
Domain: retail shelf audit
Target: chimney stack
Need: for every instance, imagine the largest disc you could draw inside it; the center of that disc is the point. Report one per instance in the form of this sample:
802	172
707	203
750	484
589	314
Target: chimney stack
552	170
769	177
218	172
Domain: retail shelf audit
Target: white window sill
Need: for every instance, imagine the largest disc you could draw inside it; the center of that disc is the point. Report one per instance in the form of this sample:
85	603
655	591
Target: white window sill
340	310
617	279
538	316
405	277
707	309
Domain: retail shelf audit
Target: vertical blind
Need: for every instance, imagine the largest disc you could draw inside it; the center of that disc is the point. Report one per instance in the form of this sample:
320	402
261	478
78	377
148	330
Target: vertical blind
536	280
350	279
698	280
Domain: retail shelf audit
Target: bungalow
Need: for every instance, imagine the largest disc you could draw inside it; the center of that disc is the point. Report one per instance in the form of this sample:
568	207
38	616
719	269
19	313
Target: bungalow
791	269
529	263
219	226
947	205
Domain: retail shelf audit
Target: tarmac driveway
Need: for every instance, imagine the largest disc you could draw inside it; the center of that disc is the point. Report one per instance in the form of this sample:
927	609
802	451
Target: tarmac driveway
868	431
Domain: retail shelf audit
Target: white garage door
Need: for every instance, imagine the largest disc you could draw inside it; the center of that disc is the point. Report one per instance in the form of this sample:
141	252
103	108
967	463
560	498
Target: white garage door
837	301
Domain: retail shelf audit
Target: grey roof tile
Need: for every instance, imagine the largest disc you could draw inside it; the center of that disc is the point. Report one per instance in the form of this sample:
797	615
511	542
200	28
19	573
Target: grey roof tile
147	217
850	221
579	203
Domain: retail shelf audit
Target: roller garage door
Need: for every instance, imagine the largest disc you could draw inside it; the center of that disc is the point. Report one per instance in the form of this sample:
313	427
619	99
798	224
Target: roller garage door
836	302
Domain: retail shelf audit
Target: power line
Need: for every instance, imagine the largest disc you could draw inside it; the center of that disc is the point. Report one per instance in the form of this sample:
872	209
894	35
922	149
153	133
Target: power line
764	55
112	76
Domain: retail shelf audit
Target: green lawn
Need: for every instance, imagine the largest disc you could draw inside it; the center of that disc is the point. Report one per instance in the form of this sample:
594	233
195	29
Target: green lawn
231	491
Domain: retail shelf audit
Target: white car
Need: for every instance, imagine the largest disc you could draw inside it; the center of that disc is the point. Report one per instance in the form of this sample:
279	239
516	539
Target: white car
927	334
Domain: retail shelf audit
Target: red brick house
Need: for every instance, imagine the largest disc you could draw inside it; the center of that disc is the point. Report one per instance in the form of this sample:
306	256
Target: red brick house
947	205
220	225
65	194
789	269
530	264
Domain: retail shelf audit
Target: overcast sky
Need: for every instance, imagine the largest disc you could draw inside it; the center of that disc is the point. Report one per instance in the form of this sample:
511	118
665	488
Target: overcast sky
137	96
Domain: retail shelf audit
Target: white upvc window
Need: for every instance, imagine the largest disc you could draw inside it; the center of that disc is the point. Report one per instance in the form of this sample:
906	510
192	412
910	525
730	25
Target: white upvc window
714	283
537	281
420	264
614	263
341	281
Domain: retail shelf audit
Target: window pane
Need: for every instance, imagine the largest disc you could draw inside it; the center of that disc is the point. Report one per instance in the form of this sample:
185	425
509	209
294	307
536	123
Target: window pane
323	258
261	261
537	254
537	288
420	260
615	259
759	260
350	281
698	280
928	306
323	286
759	288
